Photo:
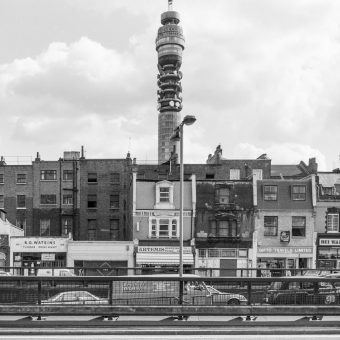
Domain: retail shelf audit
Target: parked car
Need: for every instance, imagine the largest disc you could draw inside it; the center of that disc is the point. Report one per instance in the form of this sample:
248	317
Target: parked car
302	292
77	297
4	273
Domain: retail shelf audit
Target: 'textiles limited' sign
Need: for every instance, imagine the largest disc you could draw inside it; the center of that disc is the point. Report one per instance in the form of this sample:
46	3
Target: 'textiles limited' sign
285	250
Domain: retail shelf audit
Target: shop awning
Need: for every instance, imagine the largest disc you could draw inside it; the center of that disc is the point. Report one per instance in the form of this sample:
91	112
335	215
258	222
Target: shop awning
143	258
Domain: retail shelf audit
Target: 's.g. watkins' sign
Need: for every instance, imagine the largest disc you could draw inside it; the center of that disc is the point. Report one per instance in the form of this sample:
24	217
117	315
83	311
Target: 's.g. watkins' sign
39	244
329	242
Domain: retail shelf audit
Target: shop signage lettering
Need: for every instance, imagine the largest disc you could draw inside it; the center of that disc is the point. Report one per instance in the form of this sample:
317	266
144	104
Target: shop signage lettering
164	250
329	242
286	250
22	244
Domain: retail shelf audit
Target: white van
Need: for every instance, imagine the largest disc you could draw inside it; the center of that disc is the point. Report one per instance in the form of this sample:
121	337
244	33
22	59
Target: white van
54	272
167	292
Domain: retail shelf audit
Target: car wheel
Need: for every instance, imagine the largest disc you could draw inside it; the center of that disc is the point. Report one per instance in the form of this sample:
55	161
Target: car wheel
233	302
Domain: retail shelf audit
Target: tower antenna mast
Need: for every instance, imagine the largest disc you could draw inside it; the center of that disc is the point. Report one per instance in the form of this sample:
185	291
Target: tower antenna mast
170	5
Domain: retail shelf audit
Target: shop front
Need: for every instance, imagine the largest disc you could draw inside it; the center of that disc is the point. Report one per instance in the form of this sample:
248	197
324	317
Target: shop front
30	253
328	251
153	260
278	258
101	258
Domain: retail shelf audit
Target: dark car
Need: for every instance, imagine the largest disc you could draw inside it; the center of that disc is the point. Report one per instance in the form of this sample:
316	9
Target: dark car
302	292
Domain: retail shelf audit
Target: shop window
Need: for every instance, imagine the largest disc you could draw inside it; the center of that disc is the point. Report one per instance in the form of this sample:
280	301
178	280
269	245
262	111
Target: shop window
270	225
163	228
332	223
1	178
114	229
45	227
114	201
68	175
92	201
92	230
234	174
299	226
298	192
164	195
48	175
48	199
92	177
257	173
67	225
21	179
2	201
67	199
21	201
270	192
115	177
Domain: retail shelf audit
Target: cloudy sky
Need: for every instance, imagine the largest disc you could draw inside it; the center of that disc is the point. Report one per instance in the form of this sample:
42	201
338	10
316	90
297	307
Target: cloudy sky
261	76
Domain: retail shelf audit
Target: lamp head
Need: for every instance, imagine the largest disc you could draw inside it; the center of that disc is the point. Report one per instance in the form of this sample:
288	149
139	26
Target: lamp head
189	120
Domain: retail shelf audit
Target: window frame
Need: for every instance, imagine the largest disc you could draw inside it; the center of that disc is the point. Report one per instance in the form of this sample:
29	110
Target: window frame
48	226
156	231
45	174
115	177
327	223
164	204
299	227
298	196
95	201
2	201
267	195
93	230
275	225
66	174
21	181
48	197
23	206
67	199
114	232
92	178
66	226
114	203
234	174
2	178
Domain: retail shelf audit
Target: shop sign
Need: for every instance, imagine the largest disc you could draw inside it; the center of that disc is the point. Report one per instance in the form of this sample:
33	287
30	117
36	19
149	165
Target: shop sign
329	242
164	250
38	244
285	250
285	236
47	257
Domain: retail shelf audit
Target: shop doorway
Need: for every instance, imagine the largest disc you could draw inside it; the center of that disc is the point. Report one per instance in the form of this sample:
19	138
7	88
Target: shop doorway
302	263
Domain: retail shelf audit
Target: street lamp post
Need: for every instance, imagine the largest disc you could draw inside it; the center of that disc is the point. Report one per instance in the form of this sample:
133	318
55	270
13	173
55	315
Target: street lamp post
178	136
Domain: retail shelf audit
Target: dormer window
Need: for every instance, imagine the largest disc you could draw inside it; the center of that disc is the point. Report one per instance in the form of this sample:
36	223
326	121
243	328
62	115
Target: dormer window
164	195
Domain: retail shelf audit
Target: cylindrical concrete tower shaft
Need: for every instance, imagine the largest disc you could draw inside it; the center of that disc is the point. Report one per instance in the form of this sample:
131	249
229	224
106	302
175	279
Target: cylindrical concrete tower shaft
169	45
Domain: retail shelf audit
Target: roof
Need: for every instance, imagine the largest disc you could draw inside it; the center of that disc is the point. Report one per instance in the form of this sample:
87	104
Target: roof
286	170
329	179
